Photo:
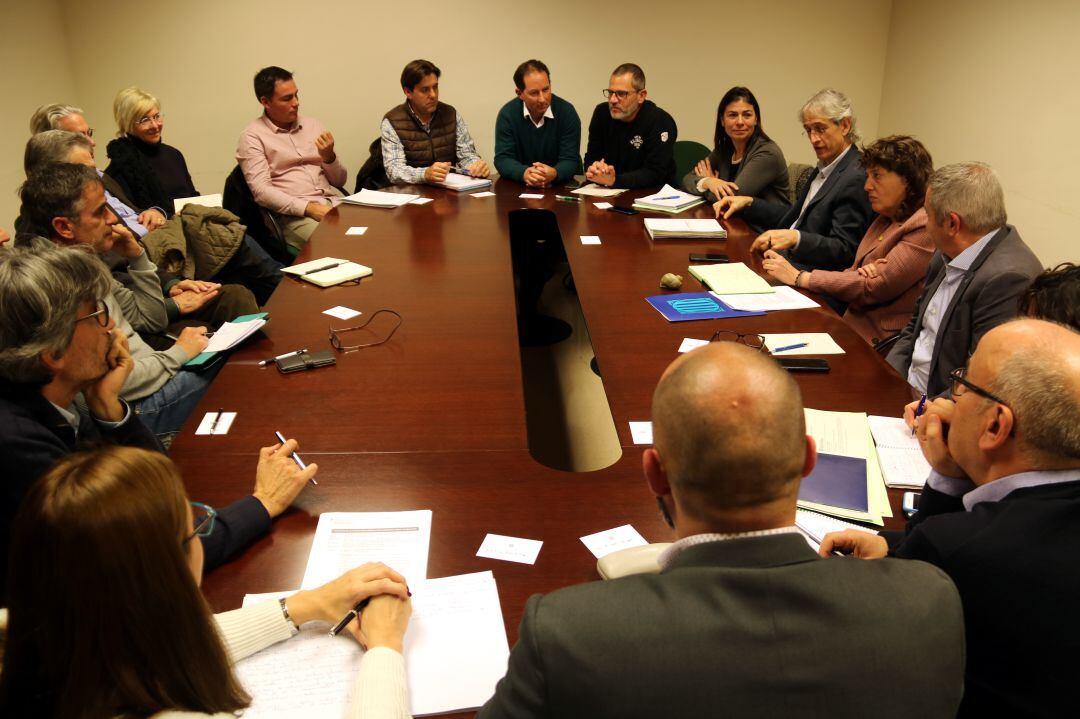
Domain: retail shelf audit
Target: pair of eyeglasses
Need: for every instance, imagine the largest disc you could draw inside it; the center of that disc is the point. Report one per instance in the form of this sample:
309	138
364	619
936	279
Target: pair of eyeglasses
150	118
961	384
335	339
101	314
203	516
815	131
621	94
754	342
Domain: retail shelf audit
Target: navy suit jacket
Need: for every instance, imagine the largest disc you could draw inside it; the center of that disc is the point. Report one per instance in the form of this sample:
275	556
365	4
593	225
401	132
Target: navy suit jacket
834	222
33	436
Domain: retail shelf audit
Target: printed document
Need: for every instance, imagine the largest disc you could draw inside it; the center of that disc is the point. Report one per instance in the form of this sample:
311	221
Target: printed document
902	461
344	540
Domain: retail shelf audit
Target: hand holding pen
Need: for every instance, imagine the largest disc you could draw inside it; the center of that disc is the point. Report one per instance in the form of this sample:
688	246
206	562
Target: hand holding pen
279	477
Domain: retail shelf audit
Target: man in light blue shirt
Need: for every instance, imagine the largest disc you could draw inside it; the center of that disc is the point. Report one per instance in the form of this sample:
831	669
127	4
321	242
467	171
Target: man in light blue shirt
974	281
999	516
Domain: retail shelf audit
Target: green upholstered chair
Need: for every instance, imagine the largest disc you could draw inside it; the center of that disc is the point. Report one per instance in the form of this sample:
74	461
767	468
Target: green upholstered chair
687	154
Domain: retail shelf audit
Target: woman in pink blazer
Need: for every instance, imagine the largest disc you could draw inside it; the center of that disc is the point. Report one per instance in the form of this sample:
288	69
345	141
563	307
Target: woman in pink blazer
881	288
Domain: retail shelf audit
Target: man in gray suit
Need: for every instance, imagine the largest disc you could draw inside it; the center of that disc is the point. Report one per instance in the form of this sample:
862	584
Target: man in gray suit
974	281
744	619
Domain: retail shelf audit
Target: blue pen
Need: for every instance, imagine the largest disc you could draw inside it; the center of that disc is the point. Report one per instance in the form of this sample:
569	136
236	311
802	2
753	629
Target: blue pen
669	197
918	413
789	347
460	171
295	456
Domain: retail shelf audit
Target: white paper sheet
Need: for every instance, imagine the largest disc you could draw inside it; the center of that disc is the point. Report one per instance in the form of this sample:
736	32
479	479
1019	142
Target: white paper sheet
817	343
815	526
785	298
356	231
455	652
612	540
594	190
510	549
222	426
601	205
343	313
590	239
482	194
374	198
344	540
689	343
531	196
641	432
214	200
902	460
232	333
422	200
730	278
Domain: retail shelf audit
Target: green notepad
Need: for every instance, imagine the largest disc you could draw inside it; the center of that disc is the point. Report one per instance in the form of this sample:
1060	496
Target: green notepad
733	278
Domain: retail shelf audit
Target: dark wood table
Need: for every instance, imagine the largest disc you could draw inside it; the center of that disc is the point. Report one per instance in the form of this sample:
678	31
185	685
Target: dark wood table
435	419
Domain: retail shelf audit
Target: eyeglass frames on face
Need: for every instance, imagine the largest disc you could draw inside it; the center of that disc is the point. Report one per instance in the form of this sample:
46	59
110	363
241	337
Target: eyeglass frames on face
335	340
101	314
756	342
621	94
157	117
959	378
203	516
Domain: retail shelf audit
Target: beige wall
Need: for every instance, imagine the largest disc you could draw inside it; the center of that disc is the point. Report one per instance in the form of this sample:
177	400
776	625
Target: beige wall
38	71
199	58
996	82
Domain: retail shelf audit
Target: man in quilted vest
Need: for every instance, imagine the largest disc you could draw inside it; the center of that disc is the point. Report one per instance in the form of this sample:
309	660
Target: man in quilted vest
423	140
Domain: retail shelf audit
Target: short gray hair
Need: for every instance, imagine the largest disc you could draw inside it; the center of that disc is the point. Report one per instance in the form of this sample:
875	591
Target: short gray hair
1042	394
52	146
48	117
971	190
834	105
637	75
41	289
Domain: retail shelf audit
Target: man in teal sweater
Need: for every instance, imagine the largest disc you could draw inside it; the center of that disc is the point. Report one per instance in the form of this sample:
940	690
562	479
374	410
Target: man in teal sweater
538	135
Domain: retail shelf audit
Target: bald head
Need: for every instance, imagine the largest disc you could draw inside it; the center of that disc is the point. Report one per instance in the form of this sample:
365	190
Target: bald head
1035	368
728	424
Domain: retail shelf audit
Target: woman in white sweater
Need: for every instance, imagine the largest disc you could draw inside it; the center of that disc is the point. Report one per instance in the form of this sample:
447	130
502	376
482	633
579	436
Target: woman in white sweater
106	617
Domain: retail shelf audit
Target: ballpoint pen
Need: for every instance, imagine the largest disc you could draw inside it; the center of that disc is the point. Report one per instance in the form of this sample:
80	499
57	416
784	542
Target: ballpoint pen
295	456
567	198
263	363
800	345
669	197
353	614
174	338
213	425
324	267
918	413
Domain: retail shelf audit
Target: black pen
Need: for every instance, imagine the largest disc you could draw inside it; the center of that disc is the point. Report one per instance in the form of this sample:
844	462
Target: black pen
324	267
567	198
213	425
295	456
353	614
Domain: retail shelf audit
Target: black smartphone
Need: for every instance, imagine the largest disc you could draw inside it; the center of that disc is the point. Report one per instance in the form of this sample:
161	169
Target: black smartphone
622	210
803	364
708	257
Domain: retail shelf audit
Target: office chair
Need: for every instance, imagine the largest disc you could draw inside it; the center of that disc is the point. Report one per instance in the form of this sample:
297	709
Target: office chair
261	224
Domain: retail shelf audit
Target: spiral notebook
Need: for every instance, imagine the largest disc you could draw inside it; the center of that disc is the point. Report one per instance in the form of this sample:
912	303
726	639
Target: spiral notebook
328	271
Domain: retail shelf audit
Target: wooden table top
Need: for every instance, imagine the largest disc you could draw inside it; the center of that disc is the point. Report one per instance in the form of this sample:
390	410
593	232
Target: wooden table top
435	419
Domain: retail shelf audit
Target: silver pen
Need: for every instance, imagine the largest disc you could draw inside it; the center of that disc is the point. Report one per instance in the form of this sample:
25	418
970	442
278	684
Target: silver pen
263	363
295	456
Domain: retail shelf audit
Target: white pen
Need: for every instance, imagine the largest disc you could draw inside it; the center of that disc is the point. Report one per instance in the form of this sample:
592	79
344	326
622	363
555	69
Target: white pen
263	363
295	456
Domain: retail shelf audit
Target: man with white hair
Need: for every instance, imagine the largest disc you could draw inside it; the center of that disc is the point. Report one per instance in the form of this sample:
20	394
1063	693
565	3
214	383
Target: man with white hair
974	281
1000	514
824	227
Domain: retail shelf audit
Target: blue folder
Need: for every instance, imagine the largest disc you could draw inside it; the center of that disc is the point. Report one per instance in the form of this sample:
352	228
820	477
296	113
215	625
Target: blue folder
837	481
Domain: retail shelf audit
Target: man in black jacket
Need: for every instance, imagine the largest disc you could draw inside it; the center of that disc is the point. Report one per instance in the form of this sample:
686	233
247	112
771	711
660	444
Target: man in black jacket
824	227
1000	514
631	140
62	365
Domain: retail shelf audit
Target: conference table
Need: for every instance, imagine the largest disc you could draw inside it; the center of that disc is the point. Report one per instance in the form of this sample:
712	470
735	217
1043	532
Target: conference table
435	418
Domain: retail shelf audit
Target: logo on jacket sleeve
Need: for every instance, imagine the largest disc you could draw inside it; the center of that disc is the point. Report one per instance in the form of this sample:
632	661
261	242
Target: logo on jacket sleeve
637	142
663	137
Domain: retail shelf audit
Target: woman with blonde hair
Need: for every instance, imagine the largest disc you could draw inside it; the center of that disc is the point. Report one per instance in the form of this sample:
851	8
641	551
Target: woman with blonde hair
106	617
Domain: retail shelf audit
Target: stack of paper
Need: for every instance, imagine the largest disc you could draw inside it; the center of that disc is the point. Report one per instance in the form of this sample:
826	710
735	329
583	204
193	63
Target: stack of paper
374	198
669	200
594	190
204	200
660	228
328	271
344	540
815	526
233	333
784	298
463	183
902	461
733	278
455	652
848	434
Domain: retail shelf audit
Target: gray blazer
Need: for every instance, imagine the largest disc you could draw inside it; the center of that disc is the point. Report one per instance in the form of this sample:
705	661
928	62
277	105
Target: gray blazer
756	627
762	173
987	297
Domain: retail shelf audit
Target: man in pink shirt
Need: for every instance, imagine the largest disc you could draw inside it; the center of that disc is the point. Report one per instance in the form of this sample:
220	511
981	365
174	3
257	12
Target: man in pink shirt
288	160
